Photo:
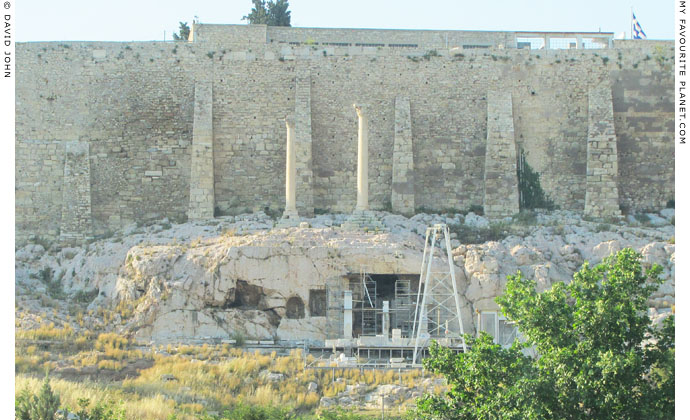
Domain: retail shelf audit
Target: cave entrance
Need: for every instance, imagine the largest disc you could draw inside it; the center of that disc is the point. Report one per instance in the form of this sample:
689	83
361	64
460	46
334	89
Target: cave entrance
370	291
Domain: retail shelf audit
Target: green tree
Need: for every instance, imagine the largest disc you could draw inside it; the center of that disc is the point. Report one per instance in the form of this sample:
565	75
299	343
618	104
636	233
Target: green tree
184	32
272	13
44	405
599	356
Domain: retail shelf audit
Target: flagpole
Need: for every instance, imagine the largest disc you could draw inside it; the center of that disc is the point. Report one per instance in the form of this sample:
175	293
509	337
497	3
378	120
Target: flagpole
631	22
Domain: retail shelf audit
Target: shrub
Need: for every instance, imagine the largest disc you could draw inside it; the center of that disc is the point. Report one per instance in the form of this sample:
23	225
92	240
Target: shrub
37	407
532	196
599	356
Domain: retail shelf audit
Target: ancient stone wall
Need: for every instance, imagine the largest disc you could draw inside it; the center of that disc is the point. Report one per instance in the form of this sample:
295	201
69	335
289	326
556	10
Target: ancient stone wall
76	222
133	103
39	170
343	37
642	87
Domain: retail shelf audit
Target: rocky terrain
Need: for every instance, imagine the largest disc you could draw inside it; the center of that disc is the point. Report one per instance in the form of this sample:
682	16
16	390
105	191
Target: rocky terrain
240	276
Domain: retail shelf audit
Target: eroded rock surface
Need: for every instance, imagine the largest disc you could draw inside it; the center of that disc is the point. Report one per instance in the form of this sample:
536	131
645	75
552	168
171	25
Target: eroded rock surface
238	277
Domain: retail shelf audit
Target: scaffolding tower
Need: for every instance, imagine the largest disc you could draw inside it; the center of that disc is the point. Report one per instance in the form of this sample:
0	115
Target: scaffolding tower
402	309
364	299
437	312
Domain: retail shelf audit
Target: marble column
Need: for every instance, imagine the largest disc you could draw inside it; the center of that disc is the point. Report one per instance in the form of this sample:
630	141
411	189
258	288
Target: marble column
362	161
290	171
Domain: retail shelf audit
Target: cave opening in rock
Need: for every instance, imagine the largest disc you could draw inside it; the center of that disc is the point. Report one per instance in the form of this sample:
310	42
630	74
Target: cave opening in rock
399	290
294	308
247	296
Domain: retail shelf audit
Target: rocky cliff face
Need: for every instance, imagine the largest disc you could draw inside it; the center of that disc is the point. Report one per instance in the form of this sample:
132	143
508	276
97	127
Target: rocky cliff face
237	276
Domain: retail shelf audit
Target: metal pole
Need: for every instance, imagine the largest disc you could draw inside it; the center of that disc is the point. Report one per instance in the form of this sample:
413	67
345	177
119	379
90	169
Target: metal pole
446	232
427	290
421	278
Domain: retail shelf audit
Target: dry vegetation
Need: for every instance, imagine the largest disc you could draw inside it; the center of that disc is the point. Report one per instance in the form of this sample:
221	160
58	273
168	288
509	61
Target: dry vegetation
183	381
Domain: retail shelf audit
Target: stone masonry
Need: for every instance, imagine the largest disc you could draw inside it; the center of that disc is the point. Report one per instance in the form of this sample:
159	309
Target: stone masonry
303	149
402	191
601	197
134	103
201	197
76	224
501	197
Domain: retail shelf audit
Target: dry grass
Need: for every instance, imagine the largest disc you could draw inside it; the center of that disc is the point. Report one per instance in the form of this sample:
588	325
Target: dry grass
46	332
187	380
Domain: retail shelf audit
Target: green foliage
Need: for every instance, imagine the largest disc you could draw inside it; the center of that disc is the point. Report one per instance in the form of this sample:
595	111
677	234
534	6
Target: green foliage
488	382
339	414
83	296
22	405
46	404
54	287
592	362
431	53
38	407
476	209
103	410
184	32
271	13
531	194
475	235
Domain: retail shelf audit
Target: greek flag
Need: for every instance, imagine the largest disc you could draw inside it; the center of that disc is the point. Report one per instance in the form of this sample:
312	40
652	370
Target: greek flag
637	31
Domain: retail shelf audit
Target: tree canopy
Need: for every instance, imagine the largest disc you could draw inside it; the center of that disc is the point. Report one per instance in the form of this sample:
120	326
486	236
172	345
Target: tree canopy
184	32
272	13
598	355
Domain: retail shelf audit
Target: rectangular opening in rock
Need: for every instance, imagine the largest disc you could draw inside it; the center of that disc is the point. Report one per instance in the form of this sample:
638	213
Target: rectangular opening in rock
369	295
317	302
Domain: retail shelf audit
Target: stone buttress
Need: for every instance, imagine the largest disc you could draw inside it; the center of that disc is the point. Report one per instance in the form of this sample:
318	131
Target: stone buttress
76	224
501	197
303	143
601	196
201	193
402	191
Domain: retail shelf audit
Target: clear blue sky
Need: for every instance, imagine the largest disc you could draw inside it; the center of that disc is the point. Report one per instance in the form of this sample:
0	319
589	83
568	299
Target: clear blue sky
128	20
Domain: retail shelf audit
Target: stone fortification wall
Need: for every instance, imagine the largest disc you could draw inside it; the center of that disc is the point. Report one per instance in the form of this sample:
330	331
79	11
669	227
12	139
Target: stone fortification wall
133	103
642	87
395	38
38	173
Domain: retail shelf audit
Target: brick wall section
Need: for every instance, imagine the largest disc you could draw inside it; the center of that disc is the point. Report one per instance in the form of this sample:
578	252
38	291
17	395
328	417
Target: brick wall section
201	197
402	191
500	173
601	198
75	224
303	144
39	172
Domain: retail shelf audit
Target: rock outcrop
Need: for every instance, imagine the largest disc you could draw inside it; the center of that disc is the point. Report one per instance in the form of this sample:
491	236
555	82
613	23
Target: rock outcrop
240	278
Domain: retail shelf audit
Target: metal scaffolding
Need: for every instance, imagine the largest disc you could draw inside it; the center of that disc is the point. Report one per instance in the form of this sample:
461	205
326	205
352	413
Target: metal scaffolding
437	312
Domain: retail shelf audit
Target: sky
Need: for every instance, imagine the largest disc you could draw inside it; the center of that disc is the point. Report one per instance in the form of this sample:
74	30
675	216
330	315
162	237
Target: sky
129	20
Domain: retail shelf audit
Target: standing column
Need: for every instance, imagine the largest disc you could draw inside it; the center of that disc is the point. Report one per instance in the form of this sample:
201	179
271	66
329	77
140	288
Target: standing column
362	161
290	171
